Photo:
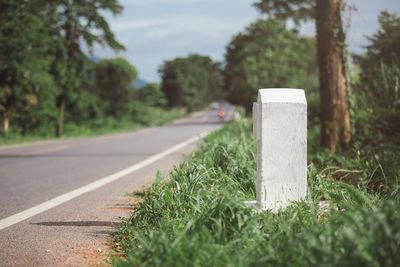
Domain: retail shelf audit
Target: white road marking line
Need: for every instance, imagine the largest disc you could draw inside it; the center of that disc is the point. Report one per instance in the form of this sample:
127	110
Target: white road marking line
23	215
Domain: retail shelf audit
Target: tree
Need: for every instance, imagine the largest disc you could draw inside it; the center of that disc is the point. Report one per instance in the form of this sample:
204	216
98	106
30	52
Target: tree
191	82
40	116
297	10
380	66
113	85
42	64
152	95
75	21
335	118
378	94
266	53
335	122
24	58
384	45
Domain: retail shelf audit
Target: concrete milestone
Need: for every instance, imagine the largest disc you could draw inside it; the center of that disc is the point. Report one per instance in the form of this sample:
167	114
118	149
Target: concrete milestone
280	127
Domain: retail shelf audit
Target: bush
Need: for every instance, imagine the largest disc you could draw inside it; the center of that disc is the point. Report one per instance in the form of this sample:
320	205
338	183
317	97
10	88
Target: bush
152	95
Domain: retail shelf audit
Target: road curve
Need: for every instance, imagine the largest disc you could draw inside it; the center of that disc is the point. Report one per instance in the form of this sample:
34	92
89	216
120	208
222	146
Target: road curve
34	174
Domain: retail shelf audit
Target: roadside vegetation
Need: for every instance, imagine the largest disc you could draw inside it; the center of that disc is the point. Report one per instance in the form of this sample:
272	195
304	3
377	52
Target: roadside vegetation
196	216
142	116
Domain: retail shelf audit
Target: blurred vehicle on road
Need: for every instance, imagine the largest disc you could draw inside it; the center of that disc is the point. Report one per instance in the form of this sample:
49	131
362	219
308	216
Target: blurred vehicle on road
214	105
221	113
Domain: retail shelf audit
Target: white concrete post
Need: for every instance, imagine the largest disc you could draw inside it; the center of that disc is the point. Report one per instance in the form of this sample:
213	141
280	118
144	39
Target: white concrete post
280	127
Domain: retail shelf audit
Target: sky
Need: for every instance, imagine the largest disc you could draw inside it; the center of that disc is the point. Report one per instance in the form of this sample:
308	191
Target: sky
157	30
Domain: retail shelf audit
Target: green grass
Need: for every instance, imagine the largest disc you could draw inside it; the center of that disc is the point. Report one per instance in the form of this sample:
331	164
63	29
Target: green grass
148	116
196	217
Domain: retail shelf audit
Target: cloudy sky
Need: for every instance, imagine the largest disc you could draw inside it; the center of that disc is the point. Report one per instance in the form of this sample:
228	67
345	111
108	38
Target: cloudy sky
157	30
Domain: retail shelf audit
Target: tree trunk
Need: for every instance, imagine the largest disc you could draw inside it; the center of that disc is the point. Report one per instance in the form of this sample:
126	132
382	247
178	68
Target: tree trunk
61	118
335	121
6	123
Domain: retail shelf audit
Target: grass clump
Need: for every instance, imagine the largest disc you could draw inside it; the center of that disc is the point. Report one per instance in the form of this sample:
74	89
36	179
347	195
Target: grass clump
198	218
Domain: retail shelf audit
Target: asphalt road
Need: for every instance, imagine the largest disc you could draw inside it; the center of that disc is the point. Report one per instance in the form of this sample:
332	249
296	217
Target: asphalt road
70	233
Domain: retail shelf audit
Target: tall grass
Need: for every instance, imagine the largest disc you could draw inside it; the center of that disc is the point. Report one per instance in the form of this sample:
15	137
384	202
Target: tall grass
197	217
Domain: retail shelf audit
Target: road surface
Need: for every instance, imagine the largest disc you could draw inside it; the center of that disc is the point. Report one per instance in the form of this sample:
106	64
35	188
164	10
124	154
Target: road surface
60	199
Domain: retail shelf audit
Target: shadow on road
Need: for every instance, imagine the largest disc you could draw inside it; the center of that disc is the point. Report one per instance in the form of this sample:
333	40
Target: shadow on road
79	223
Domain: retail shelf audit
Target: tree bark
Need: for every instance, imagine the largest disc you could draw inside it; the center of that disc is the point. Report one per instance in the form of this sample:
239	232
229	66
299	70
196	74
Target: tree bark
335	120
68	37
61	117
6	123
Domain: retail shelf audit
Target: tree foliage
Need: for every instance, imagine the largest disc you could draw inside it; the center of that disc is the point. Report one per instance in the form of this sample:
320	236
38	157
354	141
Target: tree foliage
113	84
76	22
385	42
42	62
378	93
266	54
152	95
380	65
192	82
297	10
24	61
